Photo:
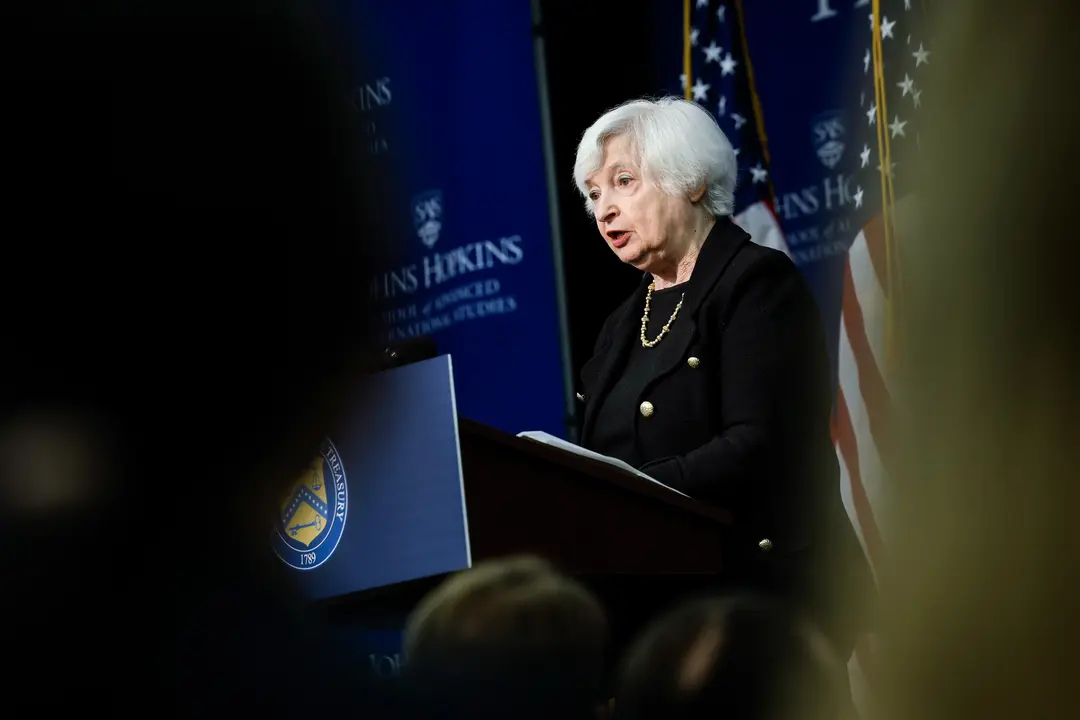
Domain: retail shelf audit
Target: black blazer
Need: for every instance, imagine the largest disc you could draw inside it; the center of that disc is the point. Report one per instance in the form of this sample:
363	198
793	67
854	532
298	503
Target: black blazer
741	402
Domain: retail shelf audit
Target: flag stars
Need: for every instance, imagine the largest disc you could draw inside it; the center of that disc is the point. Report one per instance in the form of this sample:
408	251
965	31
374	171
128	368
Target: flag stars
907	85
727	65
886	27
922	55
701	91
759	174
915	95
721	107
712	52
871	114
866	62
694	33
720	13
897	126
907	4
865	155
739	120
858	197
702	4
682	81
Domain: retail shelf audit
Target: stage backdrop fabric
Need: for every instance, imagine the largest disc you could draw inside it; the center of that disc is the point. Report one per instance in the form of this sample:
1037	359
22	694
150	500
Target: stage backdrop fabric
448	105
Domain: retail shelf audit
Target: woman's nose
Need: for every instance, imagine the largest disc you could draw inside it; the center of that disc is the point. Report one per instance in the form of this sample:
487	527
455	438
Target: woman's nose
607	211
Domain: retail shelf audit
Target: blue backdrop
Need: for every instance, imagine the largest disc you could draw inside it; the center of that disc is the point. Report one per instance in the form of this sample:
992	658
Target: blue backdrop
450	111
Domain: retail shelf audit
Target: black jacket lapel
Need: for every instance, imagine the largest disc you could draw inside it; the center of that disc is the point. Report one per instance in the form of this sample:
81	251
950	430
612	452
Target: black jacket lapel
672	349
720	247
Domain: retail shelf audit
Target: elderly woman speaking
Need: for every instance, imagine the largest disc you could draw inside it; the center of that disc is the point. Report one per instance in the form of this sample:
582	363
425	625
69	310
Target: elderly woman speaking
712	377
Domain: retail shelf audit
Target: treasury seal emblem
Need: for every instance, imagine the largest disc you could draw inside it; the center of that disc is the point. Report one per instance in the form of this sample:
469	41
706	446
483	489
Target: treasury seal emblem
311	516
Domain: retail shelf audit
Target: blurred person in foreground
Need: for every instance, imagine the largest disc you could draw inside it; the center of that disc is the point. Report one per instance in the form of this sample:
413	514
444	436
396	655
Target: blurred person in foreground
511	638
980	619
181	325
742	657
713	376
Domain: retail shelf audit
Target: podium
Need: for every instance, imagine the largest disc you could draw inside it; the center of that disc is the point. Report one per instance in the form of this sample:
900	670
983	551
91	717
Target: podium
408	492
585	516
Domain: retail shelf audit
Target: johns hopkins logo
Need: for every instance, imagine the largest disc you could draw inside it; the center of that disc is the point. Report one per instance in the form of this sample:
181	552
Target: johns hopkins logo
828	130
312	514
427	208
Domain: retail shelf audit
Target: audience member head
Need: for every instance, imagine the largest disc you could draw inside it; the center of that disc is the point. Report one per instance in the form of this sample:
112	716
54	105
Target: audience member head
511	638
745	658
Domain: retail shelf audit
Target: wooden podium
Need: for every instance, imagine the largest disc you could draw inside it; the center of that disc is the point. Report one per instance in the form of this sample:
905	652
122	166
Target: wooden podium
584	515
420	492
637	545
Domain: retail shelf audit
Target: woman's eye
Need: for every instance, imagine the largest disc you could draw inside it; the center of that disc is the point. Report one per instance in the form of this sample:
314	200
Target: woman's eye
624	180
594	195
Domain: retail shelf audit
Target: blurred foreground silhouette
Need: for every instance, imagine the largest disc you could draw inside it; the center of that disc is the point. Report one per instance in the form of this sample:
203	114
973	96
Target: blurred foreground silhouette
183	311
980	621
747	657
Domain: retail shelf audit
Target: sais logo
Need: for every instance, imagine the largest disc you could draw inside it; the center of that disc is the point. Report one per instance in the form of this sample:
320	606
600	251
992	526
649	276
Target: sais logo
312	514
828	131
427	208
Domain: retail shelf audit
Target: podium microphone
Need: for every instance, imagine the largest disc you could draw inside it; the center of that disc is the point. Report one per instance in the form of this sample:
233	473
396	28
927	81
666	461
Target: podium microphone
415	349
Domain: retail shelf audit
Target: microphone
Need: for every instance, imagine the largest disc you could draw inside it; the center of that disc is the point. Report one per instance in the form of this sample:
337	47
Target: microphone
415	349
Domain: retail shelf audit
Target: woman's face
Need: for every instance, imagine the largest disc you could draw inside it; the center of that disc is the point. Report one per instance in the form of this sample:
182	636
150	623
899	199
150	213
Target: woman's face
642	225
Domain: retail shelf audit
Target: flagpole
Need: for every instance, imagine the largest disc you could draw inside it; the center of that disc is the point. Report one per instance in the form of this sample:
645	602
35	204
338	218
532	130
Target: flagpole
759	117
565	357
755	99
687	93
886	182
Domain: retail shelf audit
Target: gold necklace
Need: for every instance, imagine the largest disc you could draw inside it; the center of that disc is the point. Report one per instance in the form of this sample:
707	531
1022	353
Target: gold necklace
645	319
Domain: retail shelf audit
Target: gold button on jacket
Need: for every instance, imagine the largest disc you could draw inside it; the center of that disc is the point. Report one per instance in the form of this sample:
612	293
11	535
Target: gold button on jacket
693	362
646	408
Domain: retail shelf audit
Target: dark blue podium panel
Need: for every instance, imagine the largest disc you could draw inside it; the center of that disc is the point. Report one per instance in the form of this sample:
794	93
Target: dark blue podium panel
384	501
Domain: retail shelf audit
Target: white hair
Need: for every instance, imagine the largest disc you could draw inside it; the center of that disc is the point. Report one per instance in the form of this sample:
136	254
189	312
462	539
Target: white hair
678	145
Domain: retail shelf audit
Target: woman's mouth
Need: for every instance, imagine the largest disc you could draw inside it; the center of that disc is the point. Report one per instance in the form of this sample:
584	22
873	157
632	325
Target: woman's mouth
619	238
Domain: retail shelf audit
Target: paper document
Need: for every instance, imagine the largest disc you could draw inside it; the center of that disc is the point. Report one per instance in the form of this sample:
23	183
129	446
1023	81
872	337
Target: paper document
548	439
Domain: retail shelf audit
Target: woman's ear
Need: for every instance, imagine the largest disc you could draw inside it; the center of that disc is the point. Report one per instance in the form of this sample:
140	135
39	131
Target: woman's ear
698	194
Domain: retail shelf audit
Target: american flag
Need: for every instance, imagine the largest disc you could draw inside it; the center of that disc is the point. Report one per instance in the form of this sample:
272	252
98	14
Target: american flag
721	81
892	67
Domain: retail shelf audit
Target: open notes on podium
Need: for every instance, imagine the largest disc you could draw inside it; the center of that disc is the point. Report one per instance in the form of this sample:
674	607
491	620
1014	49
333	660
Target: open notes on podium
547	439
